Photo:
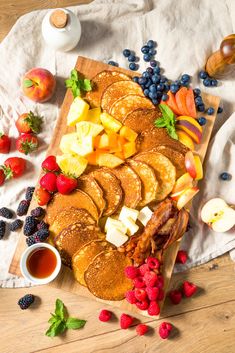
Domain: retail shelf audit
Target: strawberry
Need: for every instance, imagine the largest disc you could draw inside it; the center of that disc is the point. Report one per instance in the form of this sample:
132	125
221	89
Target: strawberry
28	122
2	177
27	143
65	184
5	143
182	257
42	196
50	165
189	289
48	182
14	167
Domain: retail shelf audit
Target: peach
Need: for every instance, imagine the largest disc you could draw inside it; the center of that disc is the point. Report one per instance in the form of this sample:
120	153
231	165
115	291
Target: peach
186	196
180	99
185	139
199	169
190	126
38	84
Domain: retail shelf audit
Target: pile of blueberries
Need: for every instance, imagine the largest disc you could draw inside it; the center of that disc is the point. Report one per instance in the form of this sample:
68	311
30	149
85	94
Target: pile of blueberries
207	80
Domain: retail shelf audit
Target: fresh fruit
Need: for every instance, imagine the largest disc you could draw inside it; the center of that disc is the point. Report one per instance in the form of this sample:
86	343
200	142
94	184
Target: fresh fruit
198	165
109	123
190	103
184	182
2	177
128	133
160	282
27	143
186	196
71	165
87	128
141	329
218	215
109	160
171	102
93	115
140	294
103	142
77	112
38	237
182	257
131	272
42	225
193	165
126	321
143	269
50	164
29	193
175	296
225	176
16	225
6	213
22	208
139	282
152	293
202	120
5	143
130	296
142	305
42	196
210	111
150	279
2	229
105	315
26	301
82	147
38	85
190	126
14	167
48	182
180	99
165	330
38	212
185	139
66	184
129	149
29	122
30	225
153	263
189	289
67	141
153	308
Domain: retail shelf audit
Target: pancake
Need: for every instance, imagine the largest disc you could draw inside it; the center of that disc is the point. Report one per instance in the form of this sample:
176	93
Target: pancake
77	199
88	184
164	171
131	185
71	239
118	90
148	179
124	106
83	257
105	276
141	120
99	84
112	191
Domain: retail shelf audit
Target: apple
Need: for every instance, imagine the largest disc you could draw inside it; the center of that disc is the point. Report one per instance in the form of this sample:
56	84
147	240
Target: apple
184	182
186	196
218	215
38	84
193	165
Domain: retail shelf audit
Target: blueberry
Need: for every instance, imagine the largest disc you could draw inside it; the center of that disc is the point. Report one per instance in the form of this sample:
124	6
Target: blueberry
166	87
160	87
151	43
148	83
133	66
220	110
203	74
146	92
157	70
150	70
207	82
145	49
163	79
156	78
174	88
135	79
214	82
152	95
201	107
197	92
198	100
126	52
142	80
155	101
184	83
131	58
146	74
225	176
210	111
153	88
153	63
152	51
177	82
147	57
165	97
185	78
113	63
201	121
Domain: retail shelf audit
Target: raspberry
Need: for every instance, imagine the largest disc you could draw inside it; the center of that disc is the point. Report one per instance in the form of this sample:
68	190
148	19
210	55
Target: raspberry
160	281
164	330
29	193
140	294
42	225
161	294
22	208
175	296
2	229
141	329
150	279
6	213
38	212
189	289
152	293
143	269
26	301
153	308
142	305
105	315
130	297
30	225
139	282
182	257
153	263
126	321
131	272
17	224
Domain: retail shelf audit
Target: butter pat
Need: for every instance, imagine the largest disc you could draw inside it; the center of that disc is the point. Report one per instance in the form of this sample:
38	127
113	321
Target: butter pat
132	228
144	215
116	237
115	223
77	112
127	212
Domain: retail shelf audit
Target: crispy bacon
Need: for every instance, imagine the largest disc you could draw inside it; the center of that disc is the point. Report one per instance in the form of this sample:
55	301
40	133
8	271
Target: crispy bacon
179	228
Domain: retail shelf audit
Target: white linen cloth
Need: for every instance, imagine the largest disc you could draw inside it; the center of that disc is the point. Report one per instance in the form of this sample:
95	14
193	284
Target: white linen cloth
186	33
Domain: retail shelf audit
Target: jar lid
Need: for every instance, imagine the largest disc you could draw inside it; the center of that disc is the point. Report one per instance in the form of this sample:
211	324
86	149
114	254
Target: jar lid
59	18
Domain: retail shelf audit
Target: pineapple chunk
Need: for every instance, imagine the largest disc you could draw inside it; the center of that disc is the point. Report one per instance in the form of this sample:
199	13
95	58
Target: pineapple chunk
129	149
128	133
87	128
93	115
67	141
104	142
72	165
109	123
83	147
77	112
109	160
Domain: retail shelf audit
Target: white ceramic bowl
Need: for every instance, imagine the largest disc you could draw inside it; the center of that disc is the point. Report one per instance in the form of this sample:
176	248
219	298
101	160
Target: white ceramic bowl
25	271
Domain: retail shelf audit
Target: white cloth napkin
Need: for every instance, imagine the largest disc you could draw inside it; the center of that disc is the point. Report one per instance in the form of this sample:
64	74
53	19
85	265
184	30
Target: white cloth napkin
186	33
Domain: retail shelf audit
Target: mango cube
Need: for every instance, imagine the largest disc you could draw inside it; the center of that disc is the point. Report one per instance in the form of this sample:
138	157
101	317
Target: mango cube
72	165
110	123
129	149
77	112
128	133
93	115
83	147
109	160
87	128
103	142
67	141
113	142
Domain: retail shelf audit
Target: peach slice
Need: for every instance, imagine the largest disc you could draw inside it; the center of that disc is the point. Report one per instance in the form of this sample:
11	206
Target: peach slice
186	196
184	182
190	126
190	103
172	103
185	139
180	99
198	166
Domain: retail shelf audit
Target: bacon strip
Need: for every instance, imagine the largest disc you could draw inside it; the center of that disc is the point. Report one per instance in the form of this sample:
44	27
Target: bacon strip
179	228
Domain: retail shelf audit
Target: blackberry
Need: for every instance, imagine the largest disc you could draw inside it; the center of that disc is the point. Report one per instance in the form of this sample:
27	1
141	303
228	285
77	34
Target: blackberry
31	240
6	213
17	224
38	212
42	234
2	229
30	225
22	208
26	301
42	225
29	193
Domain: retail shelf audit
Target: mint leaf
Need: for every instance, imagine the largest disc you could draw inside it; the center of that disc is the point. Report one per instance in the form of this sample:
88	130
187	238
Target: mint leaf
77	84
60	309
28	83
56	328
68	83
74	75
86	86
74	323
166	111
160	122
172	132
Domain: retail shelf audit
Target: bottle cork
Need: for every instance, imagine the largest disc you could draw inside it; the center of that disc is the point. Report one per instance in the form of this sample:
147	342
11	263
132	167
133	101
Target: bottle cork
59	18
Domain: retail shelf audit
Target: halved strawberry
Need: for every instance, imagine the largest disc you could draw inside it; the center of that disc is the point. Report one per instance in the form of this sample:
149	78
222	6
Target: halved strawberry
27	143
190	103
180	99
29	122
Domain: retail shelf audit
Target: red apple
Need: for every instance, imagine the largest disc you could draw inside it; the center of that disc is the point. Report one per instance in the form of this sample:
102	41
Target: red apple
184	182
38	84
186	196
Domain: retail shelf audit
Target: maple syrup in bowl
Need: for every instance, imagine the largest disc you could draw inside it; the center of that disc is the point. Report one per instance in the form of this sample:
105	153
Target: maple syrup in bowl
40	263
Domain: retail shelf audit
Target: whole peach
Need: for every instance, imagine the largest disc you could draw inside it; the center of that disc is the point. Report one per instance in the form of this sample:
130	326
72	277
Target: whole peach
38	84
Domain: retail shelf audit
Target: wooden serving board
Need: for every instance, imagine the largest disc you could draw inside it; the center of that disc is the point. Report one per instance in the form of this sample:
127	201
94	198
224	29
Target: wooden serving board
89	68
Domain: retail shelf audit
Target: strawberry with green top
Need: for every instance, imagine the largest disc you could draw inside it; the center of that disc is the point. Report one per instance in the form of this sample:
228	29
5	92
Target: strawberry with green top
29	122
5	143
14	167
27	143
66	184
2	177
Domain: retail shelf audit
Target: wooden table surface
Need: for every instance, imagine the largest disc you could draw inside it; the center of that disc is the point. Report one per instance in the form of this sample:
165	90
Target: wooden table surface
204	323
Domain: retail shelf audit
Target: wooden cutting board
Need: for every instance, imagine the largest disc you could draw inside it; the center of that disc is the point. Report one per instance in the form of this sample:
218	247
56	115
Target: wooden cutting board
89	68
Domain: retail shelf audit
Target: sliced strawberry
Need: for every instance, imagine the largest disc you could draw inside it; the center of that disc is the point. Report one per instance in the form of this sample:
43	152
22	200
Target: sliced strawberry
190	103
180	99
48	182
14	167
66	184
171	102
42	196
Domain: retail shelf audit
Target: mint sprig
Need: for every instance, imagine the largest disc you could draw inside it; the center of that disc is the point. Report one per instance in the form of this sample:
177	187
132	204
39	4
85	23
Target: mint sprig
167	120
60	321
77	84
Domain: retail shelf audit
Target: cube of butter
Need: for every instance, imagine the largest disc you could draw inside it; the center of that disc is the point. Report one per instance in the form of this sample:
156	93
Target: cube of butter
145	215
115	223
116	237
132	228
127	212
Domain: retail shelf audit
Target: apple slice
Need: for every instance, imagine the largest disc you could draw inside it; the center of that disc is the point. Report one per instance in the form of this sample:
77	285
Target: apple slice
190	164
186	196
184	182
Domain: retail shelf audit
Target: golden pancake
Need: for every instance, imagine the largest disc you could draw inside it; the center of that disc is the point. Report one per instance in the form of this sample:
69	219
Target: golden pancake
141	120
88	184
